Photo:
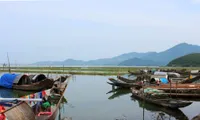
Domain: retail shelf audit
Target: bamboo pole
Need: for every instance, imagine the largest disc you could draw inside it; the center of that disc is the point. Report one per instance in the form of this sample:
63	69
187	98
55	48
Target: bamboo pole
20	99
170	88
176	88
9	70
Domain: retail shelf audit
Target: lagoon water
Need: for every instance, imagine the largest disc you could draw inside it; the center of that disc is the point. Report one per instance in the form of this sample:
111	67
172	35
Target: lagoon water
91	98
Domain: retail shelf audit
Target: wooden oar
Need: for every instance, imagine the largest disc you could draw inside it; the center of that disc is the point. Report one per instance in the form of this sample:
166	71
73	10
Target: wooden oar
21	99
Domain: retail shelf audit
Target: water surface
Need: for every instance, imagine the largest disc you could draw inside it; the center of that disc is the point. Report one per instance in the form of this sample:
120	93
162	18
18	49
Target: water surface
91	98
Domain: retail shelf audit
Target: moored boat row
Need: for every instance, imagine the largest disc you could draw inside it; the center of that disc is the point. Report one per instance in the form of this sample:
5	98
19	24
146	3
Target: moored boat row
25	82
168	85
42	105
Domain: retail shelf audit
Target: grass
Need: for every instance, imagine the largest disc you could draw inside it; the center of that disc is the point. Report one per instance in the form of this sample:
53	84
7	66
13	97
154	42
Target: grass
84	70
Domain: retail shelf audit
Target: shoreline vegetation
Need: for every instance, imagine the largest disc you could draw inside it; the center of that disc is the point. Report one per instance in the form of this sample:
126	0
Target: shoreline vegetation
86	70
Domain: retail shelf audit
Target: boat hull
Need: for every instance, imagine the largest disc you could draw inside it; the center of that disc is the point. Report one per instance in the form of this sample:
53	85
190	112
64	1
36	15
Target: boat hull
44	84
122	84
169	103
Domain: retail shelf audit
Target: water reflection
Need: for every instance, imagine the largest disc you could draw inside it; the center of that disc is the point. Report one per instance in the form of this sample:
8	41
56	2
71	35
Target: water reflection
159	113
94	99
118	92
162	112
9	93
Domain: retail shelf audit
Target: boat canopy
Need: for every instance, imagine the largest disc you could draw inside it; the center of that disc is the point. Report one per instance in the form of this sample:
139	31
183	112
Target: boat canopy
194	71
6	80
38	77
173	74
160	73
21	79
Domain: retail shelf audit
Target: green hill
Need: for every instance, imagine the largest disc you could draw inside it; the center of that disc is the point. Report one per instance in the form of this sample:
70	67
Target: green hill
190	60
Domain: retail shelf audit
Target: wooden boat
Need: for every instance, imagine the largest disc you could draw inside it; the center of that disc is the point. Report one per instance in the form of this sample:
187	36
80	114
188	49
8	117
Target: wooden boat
137	79
37	110
20	111
55	107
44	84
136	73
37	84
115	81
122	84
191	80
176	113
28	83
126	80
182	95
62	78
169	103
177	88
183	71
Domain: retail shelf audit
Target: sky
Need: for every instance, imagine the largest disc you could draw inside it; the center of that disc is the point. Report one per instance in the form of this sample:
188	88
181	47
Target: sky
43	30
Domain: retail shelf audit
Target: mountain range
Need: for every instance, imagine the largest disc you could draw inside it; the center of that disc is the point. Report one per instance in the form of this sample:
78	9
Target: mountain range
134	58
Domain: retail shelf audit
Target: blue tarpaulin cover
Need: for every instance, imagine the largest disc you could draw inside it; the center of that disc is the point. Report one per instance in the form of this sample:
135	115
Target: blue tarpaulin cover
164	80
6	80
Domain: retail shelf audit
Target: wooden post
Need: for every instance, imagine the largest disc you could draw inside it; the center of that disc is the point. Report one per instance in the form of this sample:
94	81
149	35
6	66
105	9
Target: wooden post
170	88
9	70
63	68
59	115
143	110
176	88
48	71
143	97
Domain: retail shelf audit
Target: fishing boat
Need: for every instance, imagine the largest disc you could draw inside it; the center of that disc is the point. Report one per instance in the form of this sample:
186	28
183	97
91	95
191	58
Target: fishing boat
24	82
46	109
115	81
169	103
136	73
177	88
192	80
122	84
127	80
37	86
176	113
55	96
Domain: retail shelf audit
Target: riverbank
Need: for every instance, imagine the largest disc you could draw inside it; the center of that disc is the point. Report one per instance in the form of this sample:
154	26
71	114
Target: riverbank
85	70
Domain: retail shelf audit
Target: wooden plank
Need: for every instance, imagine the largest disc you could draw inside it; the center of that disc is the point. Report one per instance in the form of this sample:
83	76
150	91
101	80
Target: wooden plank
20	112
